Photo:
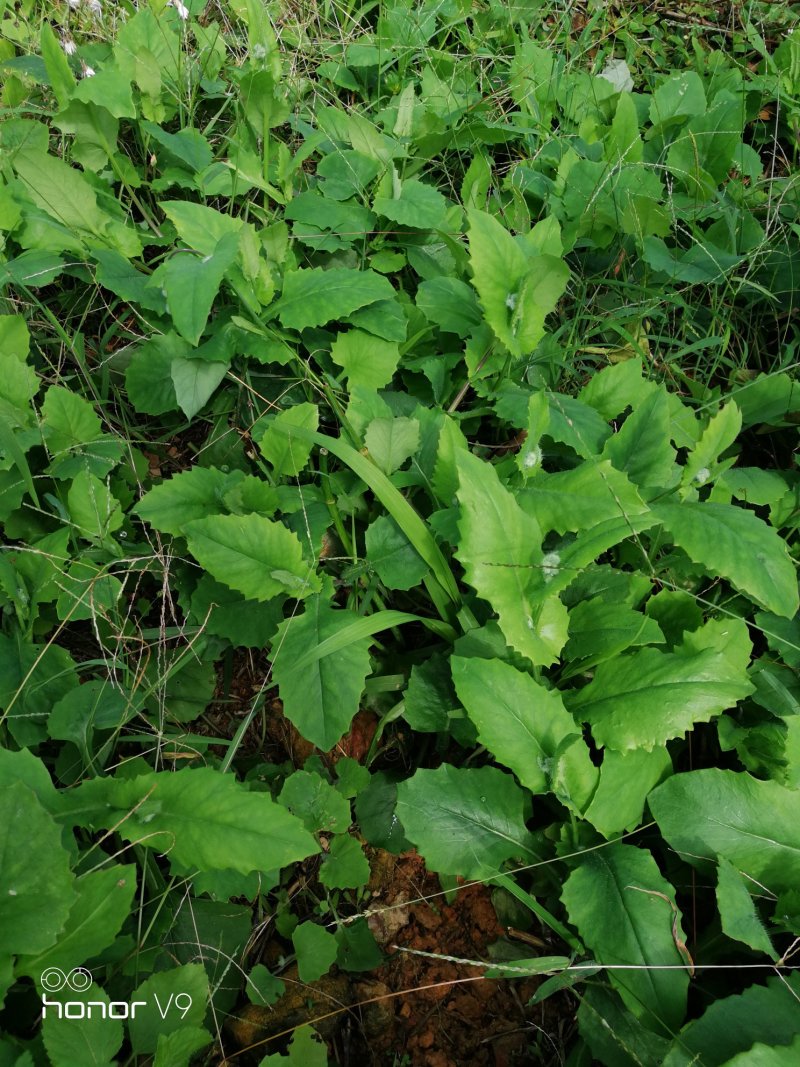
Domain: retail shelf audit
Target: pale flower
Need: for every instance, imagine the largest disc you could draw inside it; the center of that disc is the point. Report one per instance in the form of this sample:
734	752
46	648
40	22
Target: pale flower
69	46
95	7
88	72
74	4
182	9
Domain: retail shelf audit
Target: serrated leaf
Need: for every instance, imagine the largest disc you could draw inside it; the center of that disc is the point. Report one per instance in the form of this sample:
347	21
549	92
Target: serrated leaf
646	698
753	824
182	498
345	866
624	783
151	1023
287	455
191	283
479	824
316	950
721	432
199	817
391	442
519	721
517	292
36	883
499	546
312	297
367	360
195	381
733	543
392	556
418	205
641	448
308	796
581	498
92	508
320	697
737	912
91	1040
255	556
616	900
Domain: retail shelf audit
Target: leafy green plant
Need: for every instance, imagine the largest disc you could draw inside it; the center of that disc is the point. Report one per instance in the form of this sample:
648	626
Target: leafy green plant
461	399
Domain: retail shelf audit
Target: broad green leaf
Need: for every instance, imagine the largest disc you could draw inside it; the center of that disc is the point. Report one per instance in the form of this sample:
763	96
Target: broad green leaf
148	379
109	88
721	432
392	556
599	630
313	296
195	380
733	543
519	721
286	454
91	1041
614	1034
767	1055
417	204
430	698
499	546
188	146
225	613
617	387
153	1021
36	884
199	817
479	823
646	698
103	904
754	825
344	866
623	910
740	920
702	154
624	784
316	950
63	193
32	678
192	494
679	96
732	1025
581	498
367	360
517	291
95	131
178	1048
391	442
641	448
200	227
255	556
190	285
450	304
92	508
576	424
62	81
69	421
320	696
308	796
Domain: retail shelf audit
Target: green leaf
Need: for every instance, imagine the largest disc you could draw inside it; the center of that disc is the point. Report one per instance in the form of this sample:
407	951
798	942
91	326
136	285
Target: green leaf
450	304
108	88
479	823
320	697
190	285
178	1048
641	448
766	1055
308	796
201	818
581	498
499	546
33	677
91	1041
316	950
226	613
646	698
733	543
740	920
36	884
313	297
148	1025
62	81
517	290
69	421
255	556
417	205
679	96
200	227
391	442
195	380
93	510
103	904
721	432
754	825
287	455
392	556
614	1035
190	495
148	379
518	720
367	360
614	388
615	898
345	866
762	1013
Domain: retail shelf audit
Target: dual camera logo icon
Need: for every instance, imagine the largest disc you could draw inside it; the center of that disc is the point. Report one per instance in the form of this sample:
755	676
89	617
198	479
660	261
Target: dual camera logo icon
54	979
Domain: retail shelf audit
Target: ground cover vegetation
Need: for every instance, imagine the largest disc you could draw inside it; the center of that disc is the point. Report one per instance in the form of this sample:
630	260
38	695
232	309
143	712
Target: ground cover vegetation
398	416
